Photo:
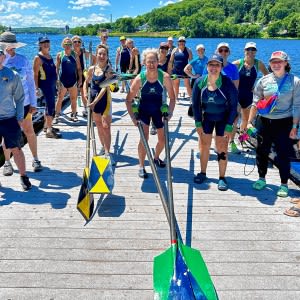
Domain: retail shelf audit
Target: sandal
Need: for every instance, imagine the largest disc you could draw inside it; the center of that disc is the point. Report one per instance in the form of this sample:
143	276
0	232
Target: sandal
293	212
283	191
200	178
259	184
295	200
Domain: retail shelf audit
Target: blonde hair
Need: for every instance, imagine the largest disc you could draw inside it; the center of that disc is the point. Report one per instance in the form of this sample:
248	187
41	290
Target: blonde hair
64	41
148	51
76	37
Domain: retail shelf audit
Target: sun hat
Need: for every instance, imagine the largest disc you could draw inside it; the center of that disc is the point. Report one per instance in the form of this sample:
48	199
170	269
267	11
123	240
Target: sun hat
43	39
200	46
163	45
250	45
279	55
226	45
170	38
181	39
217	58
8	39
122	38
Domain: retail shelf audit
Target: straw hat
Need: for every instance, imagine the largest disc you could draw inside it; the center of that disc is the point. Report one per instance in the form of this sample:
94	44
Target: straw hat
8	39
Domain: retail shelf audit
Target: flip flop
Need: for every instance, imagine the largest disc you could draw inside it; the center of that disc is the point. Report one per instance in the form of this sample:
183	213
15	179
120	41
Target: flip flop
295	200
259	184
293	212
283	191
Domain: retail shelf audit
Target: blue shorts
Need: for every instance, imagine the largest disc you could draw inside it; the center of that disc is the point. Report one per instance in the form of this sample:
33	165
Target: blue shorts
209	126
156	118
11	133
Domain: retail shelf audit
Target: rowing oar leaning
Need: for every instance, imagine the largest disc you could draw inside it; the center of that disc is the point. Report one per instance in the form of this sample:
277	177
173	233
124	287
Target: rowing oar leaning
180	271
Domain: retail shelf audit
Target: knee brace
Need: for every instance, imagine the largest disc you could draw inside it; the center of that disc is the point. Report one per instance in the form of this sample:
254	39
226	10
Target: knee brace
221	156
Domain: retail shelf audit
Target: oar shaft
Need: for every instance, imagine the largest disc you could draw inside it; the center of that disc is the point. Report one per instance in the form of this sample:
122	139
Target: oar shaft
88	132
154	171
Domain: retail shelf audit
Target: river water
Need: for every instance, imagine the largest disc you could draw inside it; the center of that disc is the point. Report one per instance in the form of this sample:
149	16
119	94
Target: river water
265	46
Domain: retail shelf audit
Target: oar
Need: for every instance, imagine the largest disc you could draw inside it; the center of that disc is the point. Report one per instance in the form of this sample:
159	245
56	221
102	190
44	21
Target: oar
85	203
180	271
114	78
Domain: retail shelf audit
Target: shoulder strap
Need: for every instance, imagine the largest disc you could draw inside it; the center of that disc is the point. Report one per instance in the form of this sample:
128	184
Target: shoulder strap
282	83
161	77
143	77
241	63
256	62
62	54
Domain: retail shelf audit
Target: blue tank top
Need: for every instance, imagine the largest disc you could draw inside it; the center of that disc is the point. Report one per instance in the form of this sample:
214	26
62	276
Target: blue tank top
68	69
47	72
181	59
95	88
124	56
151	94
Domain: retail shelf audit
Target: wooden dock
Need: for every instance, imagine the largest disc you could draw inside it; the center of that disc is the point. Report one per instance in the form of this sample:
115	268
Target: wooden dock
251	249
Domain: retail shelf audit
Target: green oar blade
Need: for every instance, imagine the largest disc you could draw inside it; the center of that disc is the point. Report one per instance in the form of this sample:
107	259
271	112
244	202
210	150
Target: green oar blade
192	278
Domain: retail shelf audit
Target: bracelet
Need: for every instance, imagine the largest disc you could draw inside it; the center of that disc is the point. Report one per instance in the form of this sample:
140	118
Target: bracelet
296	126
228	128
198	124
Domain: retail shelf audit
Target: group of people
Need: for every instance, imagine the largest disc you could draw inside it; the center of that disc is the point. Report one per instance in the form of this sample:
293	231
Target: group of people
221	92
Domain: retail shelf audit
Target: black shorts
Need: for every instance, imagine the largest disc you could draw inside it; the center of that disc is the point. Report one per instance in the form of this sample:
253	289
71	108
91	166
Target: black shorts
156	118
209	126
11	133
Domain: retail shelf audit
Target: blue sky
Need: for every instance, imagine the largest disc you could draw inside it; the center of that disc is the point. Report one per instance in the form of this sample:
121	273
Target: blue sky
58	13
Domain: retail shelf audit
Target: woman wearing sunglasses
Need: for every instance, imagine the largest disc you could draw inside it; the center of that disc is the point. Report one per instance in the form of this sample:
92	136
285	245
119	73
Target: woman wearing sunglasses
215	108
248	67
69	77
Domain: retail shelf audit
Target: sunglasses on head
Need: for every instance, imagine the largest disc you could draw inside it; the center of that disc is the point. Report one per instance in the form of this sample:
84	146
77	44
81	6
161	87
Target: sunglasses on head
251	49
223	50
75	42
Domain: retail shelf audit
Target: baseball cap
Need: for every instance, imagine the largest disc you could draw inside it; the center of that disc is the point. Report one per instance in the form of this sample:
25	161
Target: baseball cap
200	46
44	39
226	45
163	45
122	38
217	58
250	45
279	55
181	38
170	38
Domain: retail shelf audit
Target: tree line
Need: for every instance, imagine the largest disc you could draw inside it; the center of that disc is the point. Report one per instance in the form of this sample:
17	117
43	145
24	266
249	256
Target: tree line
212	18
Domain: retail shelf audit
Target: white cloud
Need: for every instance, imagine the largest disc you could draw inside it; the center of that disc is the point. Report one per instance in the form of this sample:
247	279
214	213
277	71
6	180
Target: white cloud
46	13
92	19
165	3
80	4
18	20
12	6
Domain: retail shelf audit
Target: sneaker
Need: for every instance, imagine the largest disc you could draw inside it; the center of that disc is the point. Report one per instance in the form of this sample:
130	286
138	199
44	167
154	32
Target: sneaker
159	163
143	173
153	130
55	119
53	134
8	169
53	129
102	151
222	185
234	149
74	117
37	166
25	182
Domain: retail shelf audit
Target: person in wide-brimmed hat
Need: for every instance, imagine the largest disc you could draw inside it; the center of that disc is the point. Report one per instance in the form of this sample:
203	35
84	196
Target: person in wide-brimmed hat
9	39
21	64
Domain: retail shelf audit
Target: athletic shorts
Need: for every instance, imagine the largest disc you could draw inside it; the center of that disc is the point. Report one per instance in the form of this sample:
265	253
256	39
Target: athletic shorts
103	106
156	118
49	93
209	126
10	130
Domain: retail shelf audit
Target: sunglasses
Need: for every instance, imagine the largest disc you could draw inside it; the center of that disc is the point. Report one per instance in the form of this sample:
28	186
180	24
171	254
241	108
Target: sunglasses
104	37
251	49
76	42
225	50
68	44
164	48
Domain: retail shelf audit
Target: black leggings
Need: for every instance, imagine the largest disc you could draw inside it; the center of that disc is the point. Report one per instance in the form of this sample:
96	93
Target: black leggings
274	131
